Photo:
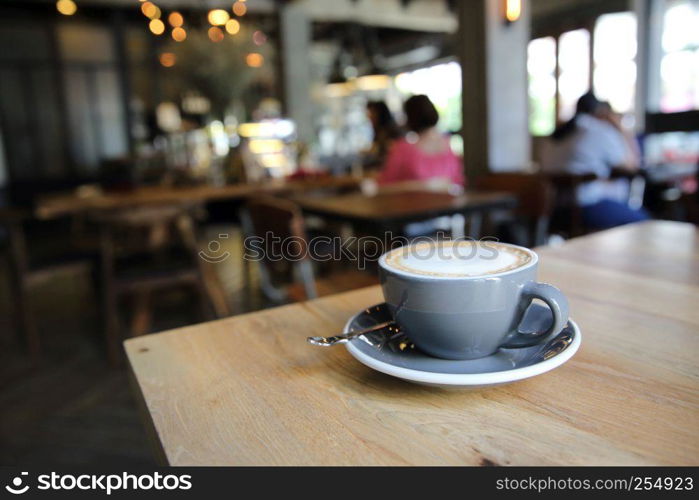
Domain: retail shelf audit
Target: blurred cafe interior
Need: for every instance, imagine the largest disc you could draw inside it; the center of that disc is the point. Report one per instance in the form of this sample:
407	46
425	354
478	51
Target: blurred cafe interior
142	142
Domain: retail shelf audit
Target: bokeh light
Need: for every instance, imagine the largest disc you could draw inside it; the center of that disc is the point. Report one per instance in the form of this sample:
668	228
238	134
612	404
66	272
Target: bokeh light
215	34
179	34
254	60
168	59
232	26
156	26
175	19
239	8
218	17
259	38
150	10
66	7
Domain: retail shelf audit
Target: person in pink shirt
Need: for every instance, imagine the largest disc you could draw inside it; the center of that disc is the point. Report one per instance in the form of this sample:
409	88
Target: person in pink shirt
424	154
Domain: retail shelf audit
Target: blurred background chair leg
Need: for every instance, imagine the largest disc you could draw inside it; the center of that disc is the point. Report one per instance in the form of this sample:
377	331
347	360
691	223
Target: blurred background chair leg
458	226
304	269
111	331
207	308
20	275
141	321
475	222
541	230
110	299
211	291
270	291
26	324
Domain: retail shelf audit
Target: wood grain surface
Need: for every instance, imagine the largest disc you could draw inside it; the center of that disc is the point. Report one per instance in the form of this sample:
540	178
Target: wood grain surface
249	390
57	205
402	205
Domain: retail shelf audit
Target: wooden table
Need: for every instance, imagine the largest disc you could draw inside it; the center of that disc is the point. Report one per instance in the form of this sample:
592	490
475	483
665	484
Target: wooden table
389	210
59	205
249	390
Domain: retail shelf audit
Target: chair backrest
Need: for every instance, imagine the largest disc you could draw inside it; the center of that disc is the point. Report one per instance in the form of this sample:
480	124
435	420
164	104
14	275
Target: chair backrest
567	212
279	223
568	180
282	220
535	195
149	228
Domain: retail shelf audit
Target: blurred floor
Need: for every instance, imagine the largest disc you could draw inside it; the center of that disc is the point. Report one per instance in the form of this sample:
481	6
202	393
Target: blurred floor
74	409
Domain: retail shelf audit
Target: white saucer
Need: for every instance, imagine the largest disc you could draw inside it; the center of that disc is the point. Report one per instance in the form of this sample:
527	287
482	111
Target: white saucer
383	353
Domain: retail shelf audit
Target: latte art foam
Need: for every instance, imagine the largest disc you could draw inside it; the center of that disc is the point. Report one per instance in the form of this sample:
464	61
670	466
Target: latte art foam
457	259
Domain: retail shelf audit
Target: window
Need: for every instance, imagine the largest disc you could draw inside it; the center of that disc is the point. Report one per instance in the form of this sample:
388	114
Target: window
679	60
679	148
559	73
442	84
574	70
93	93
672	120
615	60
559	69
541	66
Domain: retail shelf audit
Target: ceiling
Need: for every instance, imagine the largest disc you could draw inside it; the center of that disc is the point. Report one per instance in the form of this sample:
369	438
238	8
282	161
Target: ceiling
422	15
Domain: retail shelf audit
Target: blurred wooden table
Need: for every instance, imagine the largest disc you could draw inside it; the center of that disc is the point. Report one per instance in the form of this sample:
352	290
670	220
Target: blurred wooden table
73	203
249	390
389	210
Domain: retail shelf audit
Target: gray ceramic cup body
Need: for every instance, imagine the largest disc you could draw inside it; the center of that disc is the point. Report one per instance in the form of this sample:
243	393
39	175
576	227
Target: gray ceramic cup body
469	317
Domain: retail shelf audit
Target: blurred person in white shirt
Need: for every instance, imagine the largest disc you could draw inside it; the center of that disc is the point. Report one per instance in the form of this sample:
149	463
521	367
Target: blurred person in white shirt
594	142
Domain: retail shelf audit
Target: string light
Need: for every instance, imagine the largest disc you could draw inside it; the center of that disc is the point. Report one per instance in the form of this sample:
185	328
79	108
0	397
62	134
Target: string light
179	34
232	26
254	60
215	34
168	59
218	17
66	7
156	26
175	19
239	8
259	38
150	10
147	8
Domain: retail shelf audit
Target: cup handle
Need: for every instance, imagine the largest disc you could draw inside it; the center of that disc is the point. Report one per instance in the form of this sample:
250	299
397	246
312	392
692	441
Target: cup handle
553	298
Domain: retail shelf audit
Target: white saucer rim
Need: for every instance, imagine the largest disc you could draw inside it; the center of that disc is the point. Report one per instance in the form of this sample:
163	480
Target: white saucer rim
467	379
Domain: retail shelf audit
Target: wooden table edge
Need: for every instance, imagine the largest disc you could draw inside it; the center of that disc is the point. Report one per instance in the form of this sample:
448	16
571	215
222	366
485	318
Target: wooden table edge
506	202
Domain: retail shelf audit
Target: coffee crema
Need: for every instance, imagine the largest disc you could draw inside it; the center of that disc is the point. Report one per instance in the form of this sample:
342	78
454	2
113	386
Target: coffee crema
453	259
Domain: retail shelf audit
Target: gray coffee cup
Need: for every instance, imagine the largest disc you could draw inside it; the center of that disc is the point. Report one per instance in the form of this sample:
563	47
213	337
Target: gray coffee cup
469	317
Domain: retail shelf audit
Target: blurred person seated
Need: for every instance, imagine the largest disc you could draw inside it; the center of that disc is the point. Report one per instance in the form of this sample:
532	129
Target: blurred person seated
424	153
386	132
423	160
594	142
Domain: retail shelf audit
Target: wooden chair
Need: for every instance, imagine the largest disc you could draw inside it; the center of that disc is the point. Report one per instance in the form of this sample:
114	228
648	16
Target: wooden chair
144	250
567	212
534	202
279	223
36	252
567	216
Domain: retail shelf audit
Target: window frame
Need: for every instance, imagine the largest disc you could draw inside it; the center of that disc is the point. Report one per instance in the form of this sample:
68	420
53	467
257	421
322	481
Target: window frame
557	23
658	122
